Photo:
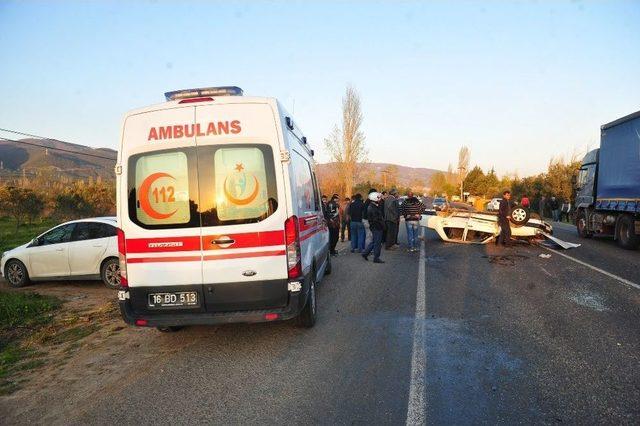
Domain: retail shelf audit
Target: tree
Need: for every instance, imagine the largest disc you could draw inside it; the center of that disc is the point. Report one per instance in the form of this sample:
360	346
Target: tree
18	202
464	156
346	144
474	180
390	176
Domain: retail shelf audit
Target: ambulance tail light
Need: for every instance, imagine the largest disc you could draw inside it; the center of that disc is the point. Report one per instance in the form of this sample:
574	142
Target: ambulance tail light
292	241
122	257
176	95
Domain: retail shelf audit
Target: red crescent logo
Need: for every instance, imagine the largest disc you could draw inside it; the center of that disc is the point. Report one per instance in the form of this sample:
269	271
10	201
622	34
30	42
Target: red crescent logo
143	196
242	201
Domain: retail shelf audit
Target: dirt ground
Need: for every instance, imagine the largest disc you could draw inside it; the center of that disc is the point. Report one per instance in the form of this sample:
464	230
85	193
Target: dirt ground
88	351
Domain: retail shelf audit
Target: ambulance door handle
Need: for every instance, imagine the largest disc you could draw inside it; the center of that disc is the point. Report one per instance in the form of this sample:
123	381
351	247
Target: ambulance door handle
221	241
310	219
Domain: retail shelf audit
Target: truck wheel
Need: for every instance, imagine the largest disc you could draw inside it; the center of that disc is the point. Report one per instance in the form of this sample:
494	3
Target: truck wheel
581	226
627	237
519	216
16	273
307	317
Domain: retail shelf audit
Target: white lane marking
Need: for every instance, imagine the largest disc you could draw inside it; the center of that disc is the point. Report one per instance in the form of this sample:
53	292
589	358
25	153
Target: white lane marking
602	271
417	407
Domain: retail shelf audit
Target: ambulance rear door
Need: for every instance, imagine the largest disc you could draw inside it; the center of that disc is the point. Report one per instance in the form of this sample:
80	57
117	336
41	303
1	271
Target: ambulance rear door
243	206
159	199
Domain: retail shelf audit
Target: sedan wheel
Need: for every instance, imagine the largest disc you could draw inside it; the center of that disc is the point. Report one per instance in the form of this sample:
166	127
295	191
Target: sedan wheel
16	273
111	273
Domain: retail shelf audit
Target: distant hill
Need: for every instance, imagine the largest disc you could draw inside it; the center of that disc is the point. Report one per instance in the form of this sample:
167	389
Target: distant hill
19	158
406	176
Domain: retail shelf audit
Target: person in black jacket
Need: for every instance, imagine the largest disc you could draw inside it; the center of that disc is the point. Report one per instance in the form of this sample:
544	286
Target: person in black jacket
356	227
333	215
504	211
376	224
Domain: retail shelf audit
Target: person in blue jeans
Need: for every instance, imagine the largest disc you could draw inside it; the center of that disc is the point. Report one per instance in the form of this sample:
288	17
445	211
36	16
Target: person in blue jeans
355	210
376	224
412	210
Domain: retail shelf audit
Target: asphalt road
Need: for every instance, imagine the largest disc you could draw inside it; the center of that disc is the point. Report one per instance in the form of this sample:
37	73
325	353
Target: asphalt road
502	336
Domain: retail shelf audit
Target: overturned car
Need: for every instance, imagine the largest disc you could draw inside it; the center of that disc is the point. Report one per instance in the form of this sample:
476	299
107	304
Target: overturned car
468	226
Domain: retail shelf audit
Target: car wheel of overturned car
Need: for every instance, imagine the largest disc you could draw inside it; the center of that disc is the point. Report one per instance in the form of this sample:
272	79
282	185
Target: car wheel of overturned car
307	317
110	273
581	226
627	237
519	216
16	273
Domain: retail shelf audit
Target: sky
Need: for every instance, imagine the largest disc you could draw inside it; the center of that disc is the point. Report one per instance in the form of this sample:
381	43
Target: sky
518	83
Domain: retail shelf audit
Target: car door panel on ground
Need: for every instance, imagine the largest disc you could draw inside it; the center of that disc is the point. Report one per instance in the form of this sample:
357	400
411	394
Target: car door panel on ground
89	242
50	257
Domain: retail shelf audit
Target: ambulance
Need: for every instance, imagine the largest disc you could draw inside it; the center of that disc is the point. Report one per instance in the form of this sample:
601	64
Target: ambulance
219	213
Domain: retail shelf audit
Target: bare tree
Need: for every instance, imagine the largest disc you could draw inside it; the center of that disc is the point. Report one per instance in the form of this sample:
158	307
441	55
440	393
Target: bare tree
464	156
346	144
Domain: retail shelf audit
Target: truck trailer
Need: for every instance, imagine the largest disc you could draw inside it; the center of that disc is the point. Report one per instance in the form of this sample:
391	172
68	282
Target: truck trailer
608	184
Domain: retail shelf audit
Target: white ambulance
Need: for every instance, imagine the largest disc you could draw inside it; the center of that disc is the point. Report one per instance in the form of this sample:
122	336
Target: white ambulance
219	213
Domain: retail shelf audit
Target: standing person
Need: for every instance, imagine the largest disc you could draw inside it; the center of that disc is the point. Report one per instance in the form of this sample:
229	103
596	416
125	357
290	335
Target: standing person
344	219
376	224
357	232
333	214
391	219
412	209
524	201
383	196
541	205
564	210
504	211
554	205
365	221
324	207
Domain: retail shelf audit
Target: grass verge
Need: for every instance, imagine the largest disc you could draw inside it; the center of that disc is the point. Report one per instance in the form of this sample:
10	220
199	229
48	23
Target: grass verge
21	314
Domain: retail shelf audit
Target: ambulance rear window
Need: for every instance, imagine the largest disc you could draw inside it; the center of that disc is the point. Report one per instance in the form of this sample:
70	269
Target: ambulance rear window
237	184
163	189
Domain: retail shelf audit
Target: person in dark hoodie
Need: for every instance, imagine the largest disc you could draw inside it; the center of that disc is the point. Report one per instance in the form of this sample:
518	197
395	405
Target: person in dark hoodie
356	227
504	212
412	209
333	219
376	224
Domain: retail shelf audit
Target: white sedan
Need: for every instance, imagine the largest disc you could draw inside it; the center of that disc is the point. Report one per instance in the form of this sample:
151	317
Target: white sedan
80	249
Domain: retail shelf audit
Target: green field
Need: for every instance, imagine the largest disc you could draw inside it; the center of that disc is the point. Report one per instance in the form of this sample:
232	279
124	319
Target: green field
10	237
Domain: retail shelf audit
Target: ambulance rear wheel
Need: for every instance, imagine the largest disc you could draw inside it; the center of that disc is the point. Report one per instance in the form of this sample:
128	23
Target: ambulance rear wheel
327	269
307	317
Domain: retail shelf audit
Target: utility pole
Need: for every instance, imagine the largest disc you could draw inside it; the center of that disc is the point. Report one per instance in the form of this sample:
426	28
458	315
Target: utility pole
462	176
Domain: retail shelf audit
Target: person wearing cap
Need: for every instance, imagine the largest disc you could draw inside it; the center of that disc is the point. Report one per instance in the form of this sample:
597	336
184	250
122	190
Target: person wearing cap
333	215
376	224
391	218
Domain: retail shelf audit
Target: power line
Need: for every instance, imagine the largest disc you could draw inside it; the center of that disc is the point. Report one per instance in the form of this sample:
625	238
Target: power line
52	148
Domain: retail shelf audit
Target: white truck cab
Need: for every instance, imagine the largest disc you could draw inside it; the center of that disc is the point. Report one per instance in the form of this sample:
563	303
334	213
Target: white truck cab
219	213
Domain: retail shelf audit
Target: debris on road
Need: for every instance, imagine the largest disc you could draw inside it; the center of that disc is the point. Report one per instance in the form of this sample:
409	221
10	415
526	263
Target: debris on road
544	255
505	260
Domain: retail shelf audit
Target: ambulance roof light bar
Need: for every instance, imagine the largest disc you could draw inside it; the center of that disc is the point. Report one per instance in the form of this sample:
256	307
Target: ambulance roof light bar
204	91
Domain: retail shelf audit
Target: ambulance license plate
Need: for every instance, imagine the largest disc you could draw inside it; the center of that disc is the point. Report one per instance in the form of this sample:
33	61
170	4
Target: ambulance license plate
168	300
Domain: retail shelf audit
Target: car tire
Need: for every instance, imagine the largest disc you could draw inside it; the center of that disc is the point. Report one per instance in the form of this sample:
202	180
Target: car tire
110	273
16	273
327	269
169	328
307	317
581	226
519	216
626	235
